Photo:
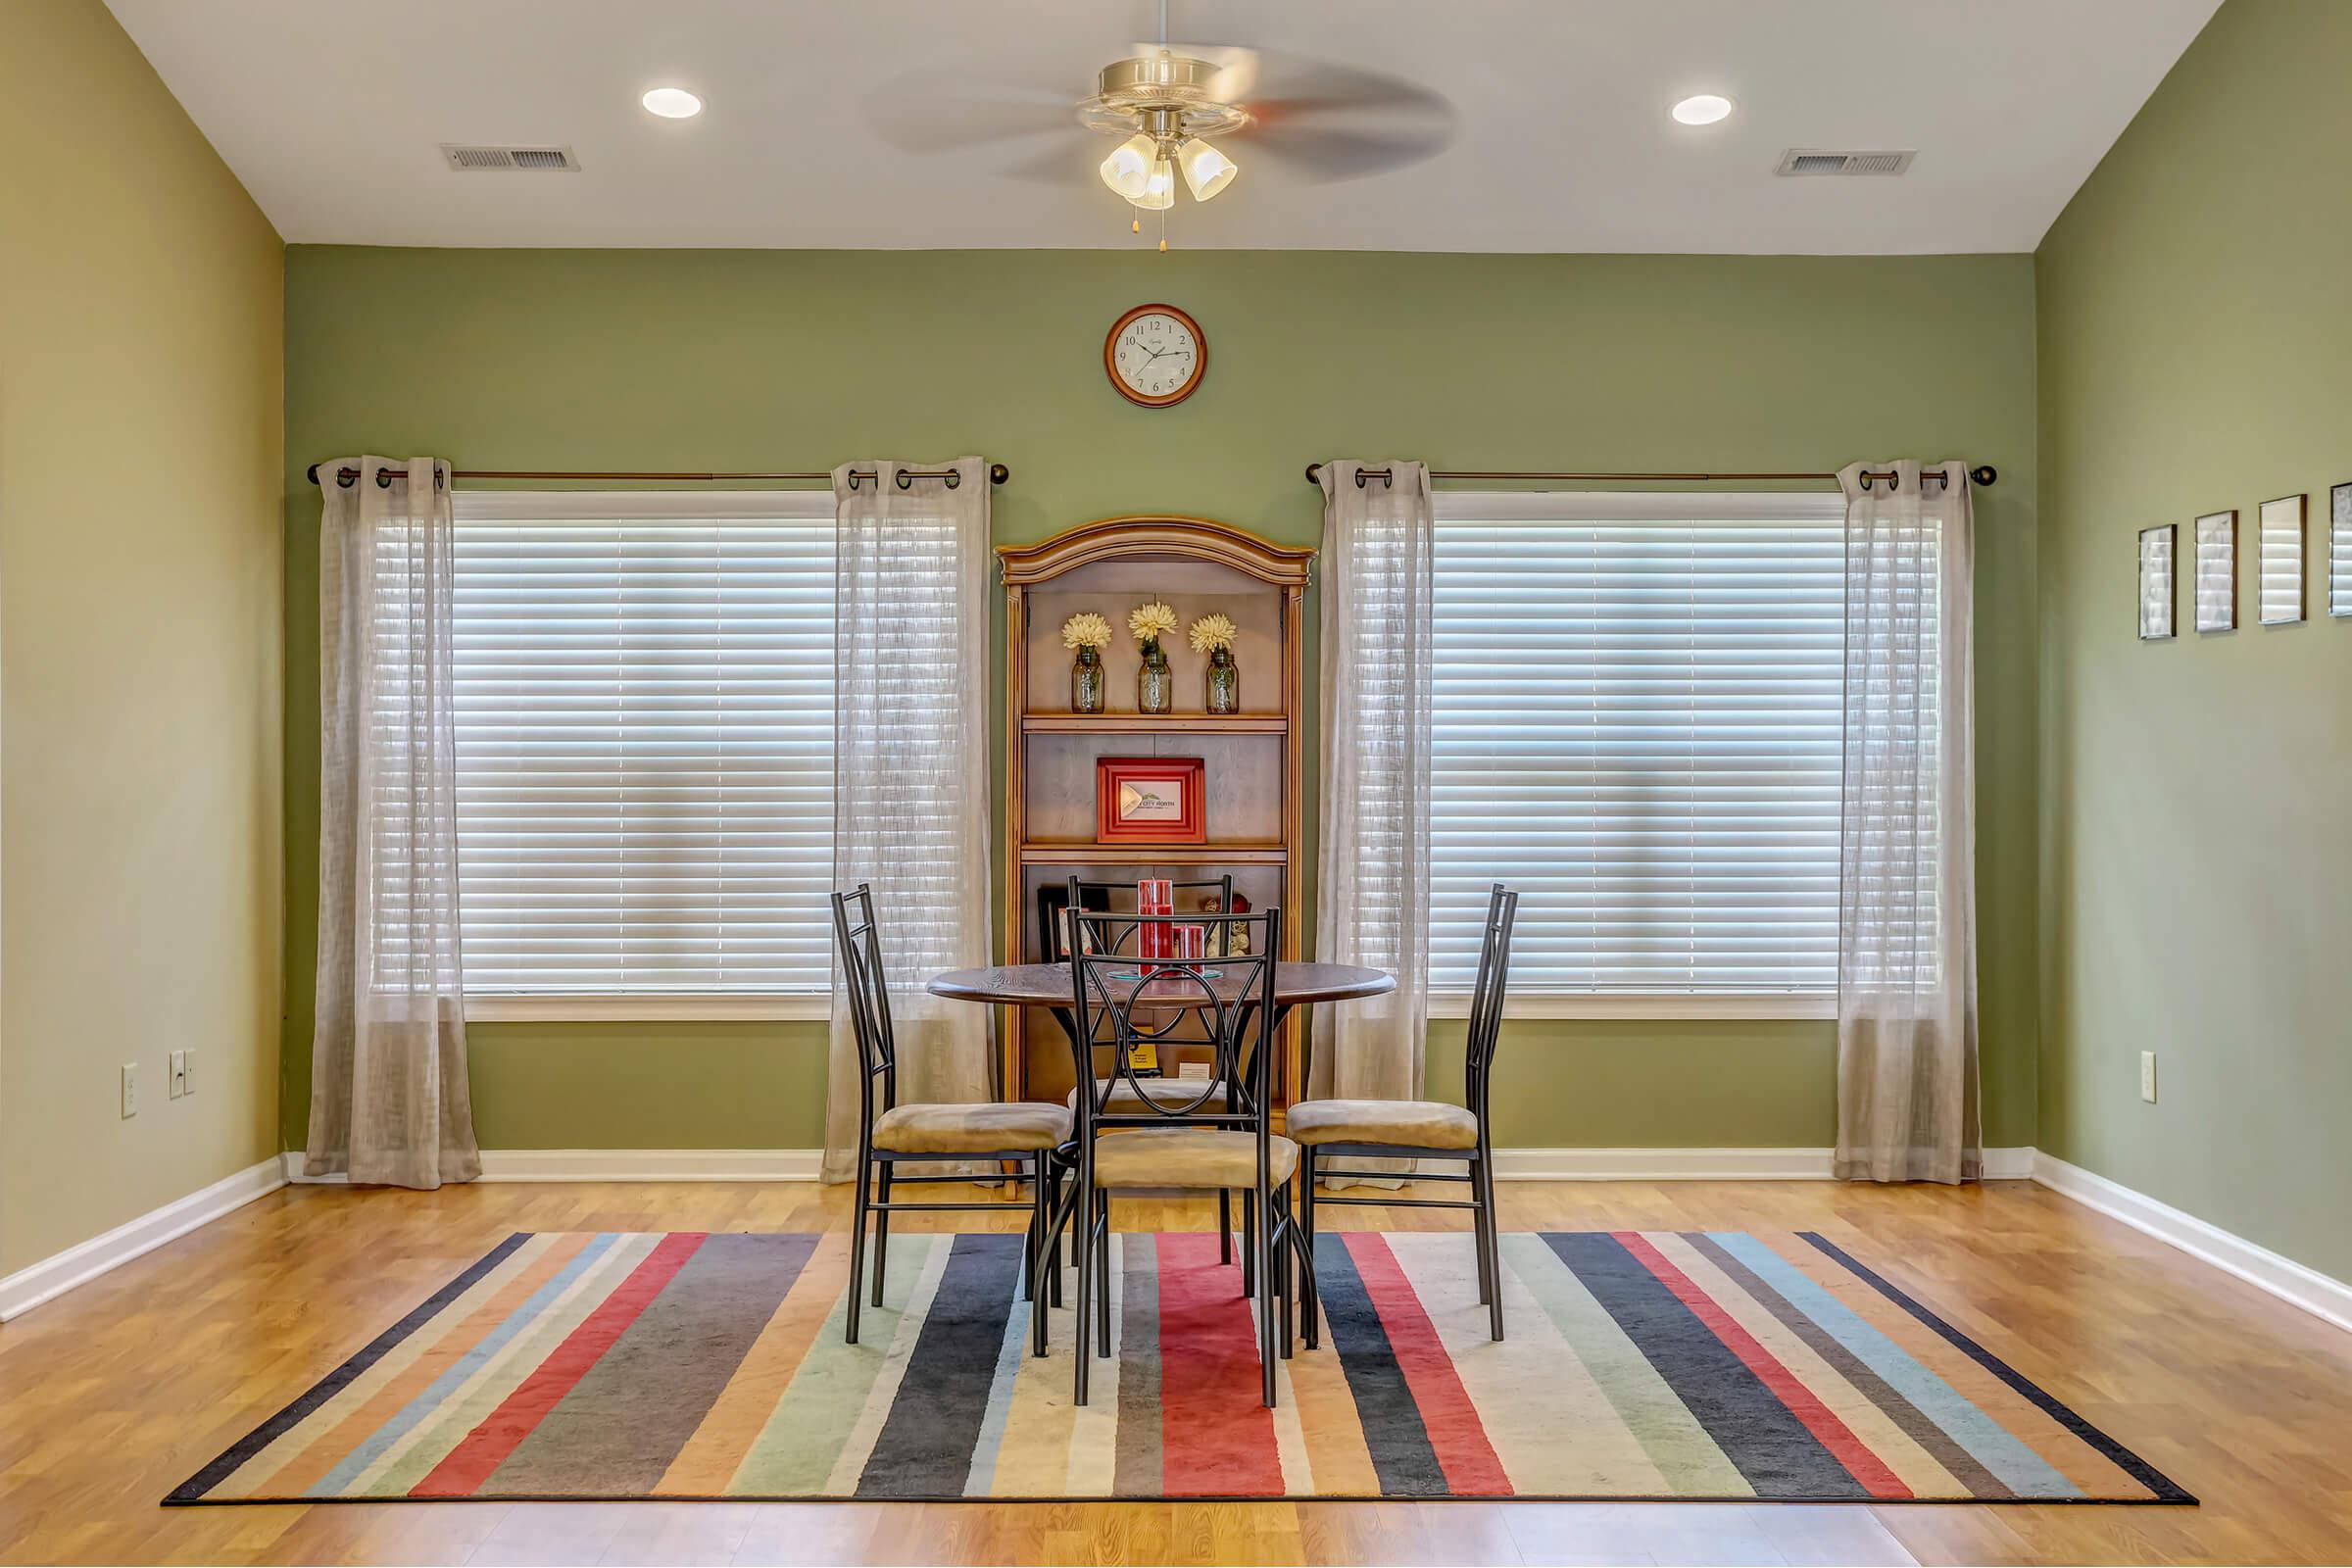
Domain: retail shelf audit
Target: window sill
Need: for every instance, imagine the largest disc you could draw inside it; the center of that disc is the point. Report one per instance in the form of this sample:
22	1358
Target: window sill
645	1008
1747	1006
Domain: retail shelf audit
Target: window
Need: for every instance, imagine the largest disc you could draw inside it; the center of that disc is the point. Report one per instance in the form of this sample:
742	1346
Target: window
1637	723
645	745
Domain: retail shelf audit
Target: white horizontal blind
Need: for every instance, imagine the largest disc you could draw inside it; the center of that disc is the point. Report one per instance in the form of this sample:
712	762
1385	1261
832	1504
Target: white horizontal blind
645	742
1638	725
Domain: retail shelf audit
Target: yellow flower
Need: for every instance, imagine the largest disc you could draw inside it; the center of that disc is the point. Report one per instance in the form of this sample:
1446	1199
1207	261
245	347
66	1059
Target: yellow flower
1149	624
1210	633
1085	629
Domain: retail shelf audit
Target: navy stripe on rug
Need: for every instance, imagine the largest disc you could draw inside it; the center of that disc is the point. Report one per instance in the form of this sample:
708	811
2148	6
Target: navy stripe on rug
2123	1459
1762	1436
326	1388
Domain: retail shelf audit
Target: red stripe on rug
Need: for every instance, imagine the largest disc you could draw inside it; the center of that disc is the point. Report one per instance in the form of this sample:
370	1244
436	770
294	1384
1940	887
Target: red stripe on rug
484	1449
1835	1435
1216	1438
1455	1434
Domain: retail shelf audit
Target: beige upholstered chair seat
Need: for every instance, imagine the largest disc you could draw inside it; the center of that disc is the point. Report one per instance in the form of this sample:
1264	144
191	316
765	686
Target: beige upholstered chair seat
970	1129
1411	1123
1187	1156
1127	1094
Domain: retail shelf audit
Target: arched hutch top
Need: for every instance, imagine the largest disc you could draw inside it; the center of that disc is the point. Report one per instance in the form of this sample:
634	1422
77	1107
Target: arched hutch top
1251	759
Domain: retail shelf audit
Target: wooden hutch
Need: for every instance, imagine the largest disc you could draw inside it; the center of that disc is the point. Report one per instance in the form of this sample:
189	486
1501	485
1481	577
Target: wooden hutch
1252	758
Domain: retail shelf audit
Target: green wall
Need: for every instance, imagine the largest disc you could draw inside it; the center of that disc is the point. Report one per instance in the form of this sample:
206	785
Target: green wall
745	360
141	427
2195	355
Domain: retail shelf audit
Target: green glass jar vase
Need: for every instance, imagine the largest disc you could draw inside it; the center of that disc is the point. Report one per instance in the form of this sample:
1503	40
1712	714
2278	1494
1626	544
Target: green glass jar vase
1154	688
1224	682
1088	681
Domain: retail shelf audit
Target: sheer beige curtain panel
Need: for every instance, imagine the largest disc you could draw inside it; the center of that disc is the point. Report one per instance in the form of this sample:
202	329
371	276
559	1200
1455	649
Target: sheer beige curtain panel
389	1099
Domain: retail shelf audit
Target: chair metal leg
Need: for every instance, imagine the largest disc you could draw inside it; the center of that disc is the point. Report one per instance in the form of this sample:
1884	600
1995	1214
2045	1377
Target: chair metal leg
1224	1227
865	1173
1308	1306
1249	1244
1082	1235
1262	1202
1489	1241
1285	1270
882	1233
1103	1277
1035	1236
1486	1271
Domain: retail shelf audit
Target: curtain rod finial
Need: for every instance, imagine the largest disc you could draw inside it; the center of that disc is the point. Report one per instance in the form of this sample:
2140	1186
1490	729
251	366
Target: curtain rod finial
1314	473
1984	473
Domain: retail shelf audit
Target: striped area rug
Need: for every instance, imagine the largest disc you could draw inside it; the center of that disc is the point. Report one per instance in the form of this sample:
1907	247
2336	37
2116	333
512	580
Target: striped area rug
1649	1364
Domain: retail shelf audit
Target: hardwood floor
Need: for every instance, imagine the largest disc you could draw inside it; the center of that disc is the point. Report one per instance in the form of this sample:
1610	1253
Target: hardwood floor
116	1392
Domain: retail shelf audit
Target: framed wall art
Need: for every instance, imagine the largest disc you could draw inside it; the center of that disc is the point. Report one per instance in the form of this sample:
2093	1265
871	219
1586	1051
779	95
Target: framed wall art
2217	571
2339	550
2279	561
1149	799
2156	590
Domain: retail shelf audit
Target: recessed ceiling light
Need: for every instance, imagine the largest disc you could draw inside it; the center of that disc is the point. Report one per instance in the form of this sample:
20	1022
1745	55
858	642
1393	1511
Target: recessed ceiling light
676	103
1704	109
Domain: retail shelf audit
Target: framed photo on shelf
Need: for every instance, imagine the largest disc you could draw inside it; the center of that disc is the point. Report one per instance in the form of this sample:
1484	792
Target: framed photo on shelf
2217	571
2339	550
2279	562
1149	799
2156	582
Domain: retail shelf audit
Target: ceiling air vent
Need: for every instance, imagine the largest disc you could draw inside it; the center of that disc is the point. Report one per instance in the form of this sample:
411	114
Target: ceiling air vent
477	160
1814	160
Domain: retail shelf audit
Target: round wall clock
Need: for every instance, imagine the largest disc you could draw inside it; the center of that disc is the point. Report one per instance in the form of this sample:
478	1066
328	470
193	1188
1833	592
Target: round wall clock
1156	356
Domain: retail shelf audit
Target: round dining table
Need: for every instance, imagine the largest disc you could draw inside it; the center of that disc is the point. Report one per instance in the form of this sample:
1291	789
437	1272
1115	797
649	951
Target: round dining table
1048	985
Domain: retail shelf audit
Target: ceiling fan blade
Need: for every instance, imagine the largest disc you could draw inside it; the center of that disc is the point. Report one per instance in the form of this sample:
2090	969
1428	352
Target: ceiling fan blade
911	113
1335	154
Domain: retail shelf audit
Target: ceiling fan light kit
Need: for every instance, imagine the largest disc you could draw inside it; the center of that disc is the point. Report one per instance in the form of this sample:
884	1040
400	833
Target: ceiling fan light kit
1168	106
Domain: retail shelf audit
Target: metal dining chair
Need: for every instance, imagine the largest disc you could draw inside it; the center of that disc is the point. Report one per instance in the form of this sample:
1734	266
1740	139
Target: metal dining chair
1196	1144
1094	898
1425	1129
1020	1133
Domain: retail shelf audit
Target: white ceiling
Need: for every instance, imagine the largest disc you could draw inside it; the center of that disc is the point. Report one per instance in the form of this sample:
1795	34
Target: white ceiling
332	113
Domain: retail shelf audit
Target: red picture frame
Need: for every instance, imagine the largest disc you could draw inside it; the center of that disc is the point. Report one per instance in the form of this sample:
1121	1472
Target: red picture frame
1133	802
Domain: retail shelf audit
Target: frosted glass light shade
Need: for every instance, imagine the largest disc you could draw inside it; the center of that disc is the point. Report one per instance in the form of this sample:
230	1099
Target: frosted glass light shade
1128	169
1207	171
1159	187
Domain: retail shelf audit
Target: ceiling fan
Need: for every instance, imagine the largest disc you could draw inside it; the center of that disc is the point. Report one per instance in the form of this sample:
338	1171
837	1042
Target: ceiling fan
1171	105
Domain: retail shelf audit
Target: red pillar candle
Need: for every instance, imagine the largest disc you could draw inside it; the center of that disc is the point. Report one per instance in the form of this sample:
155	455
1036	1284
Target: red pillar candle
1154	894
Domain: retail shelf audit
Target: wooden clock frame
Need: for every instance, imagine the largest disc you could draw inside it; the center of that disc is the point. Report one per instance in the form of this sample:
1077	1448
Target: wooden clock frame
1110	362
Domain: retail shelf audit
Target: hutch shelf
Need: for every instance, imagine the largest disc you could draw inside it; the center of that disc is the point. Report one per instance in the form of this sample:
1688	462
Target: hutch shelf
1252	759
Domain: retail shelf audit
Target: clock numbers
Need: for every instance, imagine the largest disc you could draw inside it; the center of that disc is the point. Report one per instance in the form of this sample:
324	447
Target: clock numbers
1155	356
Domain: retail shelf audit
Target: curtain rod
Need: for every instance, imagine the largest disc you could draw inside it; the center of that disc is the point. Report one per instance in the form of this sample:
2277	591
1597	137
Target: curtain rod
1982	473
997	474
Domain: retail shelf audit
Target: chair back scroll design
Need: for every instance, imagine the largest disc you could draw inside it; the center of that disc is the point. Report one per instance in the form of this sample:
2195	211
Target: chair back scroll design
859	939
1233	996
1485	1033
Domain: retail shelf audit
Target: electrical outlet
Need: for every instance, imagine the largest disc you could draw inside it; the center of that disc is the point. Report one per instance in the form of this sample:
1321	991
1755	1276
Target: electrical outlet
131	1089
179	1073
2148	1076
187	1072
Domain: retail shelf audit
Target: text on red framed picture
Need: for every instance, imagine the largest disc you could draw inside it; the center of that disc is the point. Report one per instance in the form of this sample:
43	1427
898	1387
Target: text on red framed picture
1148	800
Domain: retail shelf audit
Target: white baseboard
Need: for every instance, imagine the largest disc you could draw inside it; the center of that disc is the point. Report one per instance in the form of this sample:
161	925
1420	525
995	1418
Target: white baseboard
1704	1165
53	1276
625	1165
2291	1282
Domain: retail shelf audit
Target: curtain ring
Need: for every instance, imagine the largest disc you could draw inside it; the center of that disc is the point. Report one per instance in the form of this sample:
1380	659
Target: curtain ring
954	478
345	478
1937	474
383	479
905	480
1359	478
853	478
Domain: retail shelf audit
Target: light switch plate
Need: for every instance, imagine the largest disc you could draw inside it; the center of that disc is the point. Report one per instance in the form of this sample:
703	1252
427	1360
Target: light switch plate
131	1089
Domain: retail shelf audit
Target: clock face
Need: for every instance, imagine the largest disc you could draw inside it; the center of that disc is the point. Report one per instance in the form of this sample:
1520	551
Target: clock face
1156	355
